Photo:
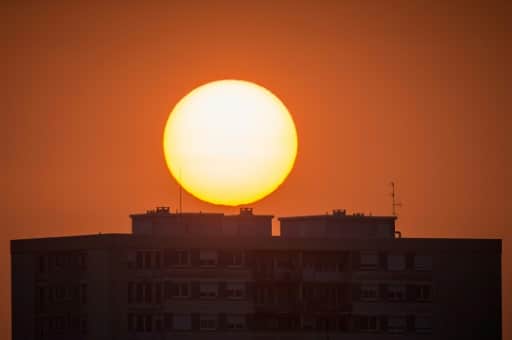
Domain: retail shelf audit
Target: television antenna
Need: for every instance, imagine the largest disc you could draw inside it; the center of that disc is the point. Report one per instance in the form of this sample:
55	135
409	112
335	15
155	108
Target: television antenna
394	203
181	194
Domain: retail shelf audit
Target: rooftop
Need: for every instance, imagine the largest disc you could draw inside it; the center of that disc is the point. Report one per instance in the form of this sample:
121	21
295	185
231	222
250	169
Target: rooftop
337	214
123	241
164	211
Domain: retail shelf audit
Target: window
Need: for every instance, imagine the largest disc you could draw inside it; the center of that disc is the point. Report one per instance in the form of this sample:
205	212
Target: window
83	325
208	258
158	325
368	323
59	261
369	292
42	263
140	323
83	261
139	327
181	322
130	292
75	322
182	258
63	293
139	293
148	323
76	293
60	293
308	322
131	322
158	293
143	292
396	262
157	259
369	260
61	322
208	290
177	290
41	296
236	259
176	257
139	260
83	294
396	292
284	261
235	322
259	295
343	323
51	294
324	324
207	322
326	267
148	293
397	324
423	324
424	293
423	263
235	290
147	260
168	321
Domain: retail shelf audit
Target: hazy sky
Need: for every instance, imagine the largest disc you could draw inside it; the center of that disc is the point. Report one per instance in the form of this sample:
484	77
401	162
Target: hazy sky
418	92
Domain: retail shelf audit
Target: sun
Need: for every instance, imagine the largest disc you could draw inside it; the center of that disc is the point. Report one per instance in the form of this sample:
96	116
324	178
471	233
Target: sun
230	142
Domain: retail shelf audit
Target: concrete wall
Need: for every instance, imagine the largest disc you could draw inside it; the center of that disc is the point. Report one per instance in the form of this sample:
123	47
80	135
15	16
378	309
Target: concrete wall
467	292
466	279
23	266
99	311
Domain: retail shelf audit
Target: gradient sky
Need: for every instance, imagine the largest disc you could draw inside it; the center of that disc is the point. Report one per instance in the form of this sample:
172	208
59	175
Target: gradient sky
418	92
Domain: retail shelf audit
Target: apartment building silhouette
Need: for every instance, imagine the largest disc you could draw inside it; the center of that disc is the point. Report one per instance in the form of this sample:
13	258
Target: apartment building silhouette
216	276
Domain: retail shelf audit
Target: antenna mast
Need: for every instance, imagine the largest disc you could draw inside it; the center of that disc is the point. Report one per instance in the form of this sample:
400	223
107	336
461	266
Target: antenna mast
181	195
394	203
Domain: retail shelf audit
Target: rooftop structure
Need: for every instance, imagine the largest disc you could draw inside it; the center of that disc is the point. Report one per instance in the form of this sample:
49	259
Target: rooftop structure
162	221
338	224
172	278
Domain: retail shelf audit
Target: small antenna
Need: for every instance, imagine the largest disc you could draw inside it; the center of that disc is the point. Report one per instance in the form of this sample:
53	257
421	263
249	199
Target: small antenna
394	203
181	195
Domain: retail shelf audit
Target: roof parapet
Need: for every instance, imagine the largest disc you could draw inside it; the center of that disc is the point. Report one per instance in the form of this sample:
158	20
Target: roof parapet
159	211
246	211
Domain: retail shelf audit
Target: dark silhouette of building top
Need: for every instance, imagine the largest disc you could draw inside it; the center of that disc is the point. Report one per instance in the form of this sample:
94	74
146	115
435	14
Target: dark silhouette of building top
213	276
162	221
338	224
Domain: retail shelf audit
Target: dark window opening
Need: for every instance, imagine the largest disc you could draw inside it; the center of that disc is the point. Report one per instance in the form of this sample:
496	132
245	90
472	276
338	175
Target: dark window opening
83	294
148	323
147	260
130	292
131	322
158	293
157	259
148	293
139	260
140	323
140	292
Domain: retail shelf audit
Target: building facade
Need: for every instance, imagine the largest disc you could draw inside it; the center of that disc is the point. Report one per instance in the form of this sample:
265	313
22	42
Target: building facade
215	276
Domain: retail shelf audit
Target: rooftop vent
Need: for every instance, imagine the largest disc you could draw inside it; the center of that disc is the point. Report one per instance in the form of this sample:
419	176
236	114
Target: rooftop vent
159	211
245	211
339	212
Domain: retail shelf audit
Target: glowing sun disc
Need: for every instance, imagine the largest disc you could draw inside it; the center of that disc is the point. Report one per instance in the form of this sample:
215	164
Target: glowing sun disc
230	142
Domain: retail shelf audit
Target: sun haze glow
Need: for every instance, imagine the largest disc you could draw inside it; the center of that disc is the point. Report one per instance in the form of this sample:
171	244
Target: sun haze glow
230	142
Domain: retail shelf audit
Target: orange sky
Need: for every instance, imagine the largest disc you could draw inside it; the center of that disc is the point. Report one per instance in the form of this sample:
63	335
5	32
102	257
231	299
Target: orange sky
415	92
